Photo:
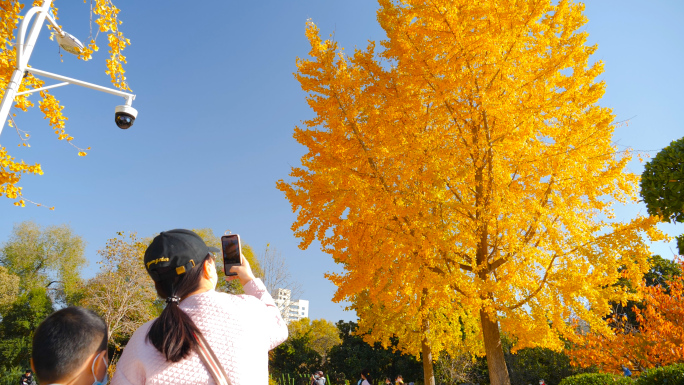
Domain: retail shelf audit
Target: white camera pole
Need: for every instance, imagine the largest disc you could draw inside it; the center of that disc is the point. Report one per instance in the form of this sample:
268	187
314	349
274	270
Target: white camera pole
24	50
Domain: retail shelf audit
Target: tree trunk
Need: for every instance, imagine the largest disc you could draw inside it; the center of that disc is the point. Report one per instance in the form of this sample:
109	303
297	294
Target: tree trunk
428	370
498	373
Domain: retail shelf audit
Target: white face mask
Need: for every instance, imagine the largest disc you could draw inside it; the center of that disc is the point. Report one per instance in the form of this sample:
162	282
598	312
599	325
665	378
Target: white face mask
106	376
213	276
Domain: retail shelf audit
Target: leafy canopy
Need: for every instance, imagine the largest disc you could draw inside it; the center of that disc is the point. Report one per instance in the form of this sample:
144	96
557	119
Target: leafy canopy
19	321
662	183
122	292
465	176
662	186
321	334
49	257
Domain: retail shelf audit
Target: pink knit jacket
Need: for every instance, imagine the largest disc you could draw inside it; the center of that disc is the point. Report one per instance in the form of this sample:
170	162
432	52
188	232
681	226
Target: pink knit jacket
241	329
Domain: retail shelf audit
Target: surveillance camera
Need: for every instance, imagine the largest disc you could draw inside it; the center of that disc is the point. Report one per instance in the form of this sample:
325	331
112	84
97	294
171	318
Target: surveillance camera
125	116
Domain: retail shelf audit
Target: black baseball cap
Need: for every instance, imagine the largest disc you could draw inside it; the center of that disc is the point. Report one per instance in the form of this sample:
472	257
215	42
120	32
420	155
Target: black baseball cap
175	252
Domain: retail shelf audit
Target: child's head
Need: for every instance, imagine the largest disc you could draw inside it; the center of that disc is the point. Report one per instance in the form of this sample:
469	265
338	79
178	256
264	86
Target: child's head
66	345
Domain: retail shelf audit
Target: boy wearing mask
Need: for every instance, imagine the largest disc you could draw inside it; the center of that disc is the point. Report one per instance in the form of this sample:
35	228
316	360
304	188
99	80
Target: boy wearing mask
70	347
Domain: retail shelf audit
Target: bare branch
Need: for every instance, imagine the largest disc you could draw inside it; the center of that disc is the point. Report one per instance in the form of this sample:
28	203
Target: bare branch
276	272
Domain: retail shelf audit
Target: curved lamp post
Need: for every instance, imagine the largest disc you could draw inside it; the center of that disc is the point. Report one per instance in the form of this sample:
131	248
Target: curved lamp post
70	44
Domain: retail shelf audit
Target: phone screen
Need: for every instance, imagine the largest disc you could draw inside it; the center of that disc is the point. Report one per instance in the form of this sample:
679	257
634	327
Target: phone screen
231	252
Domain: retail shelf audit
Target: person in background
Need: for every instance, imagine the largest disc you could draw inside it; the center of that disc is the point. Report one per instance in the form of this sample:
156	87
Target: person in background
388	381
399	380
70	347
27	378
317	378
366	377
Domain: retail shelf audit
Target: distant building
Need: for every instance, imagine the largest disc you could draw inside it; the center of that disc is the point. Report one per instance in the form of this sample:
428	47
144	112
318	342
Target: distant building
289	309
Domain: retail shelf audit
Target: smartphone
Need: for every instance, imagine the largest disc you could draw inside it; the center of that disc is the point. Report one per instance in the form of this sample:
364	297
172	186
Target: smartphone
232	252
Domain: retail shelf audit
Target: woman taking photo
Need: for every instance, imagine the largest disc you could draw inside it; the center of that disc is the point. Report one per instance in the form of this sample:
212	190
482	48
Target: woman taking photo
202	336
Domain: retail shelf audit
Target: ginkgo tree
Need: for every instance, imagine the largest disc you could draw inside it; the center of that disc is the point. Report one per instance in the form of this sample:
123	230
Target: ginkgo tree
464	176
12	170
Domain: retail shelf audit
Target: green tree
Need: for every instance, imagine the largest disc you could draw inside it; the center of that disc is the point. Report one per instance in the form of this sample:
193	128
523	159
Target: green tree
662	186
321	335
295	356
40	269
662	183
529	365
526	366
306	349
50	257
122	292
9	289
18	324
661	272
353	354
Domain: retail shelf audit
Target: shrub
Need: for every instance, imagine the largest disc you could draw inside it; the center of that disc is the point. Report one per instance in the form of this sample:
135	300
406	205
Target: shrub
667	375
11	375
596	379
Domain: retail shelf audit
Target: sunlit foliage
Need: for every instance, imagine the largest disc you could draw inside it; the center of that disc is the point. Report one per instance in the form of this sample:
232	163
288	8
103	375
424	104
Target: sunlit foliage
656	340
464	176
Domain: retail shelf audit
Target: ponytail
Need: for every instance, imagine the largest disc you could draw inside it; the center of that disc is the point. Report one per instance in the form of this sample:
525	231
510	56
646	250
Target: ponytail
173	333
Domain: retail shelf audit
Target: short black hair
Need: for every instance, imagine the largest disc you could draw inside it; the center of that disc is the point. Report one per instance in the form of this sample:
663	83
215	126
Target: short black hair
64	340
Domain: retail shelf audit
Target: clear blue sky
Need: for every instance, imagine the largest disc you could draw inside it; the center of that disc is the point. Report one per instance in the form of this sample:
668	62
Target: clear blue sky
218	103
